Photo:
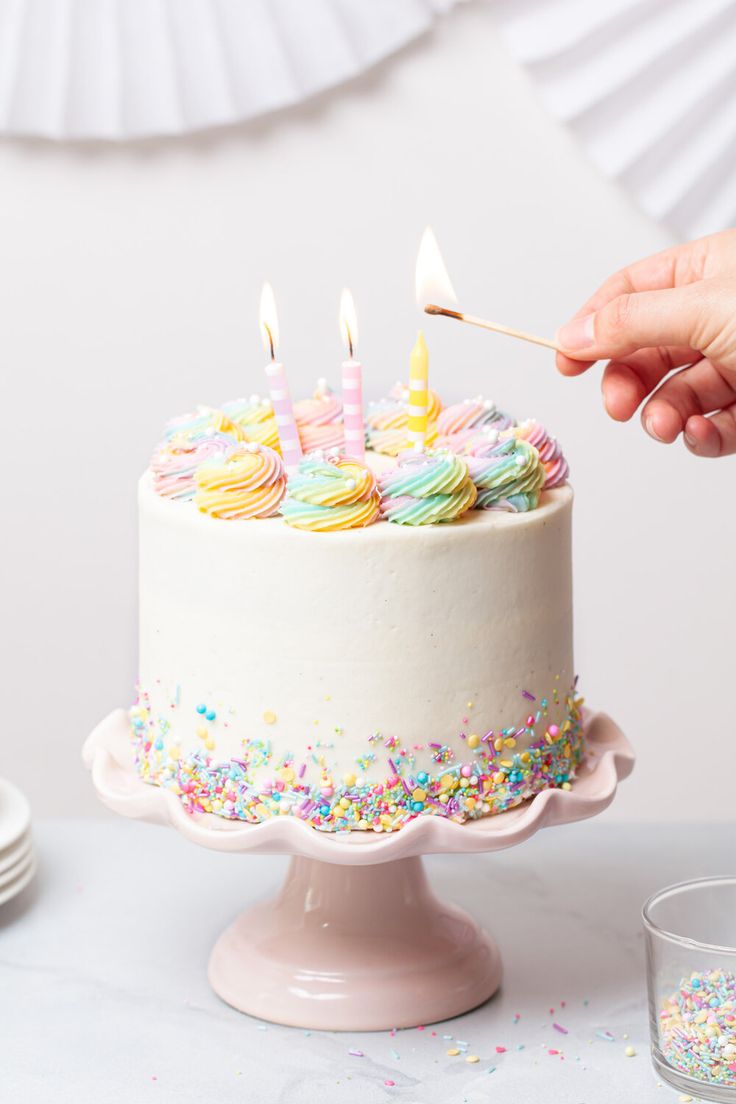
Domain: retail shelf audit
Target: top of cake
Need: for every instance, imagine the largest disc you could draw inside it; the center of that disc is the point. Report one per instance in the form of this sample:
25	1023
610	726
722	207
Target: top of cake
227	463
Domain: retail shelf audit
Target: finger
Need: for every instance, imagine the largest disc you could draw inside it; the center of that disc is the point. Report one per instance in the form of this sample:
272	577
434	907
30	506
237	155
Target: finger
694	391
691	316
714	436
569	367
626	383
674	267
657	272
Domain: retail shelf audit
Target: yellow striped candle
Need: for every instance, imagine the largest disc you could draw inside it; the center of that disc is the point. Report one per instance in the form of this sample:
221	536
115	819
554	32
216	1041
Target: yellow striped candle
418	393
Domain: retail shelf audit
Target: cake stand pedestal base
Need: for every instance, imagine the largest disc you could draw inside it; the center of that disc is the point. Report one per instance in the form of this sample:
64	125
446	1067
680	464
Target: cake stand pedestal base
355	948
356	939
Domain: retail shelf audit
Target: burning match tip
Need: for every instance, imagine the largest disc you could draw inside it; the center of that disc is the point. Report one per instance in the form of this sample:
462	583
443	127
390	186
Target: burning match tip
432	308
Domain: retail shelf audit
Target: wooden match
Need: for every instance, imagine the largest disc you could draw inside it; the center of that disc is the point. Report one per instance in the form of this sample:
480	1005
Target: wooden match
484	324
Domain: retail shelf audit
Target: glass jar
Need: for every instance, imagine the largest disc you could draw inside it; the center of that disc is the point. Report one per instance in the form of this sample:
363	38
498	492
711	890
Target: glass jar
690	931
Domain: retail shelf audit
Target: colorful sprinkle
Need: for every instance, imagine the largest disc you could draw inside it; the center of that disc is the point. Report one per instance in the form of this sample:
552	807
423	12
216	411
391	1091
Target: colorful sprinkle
697	1027
500	776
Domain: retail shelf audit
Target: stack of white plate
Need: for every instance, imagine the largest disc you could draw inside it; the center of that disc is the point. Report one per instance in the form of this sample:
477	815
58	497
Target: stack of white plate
17	858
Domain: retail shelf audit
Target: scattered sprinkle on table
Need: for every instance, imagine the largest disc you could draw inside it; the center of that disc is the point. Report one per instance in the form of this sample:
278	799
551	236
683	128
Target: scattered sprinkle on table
472	1058
452	1052
630	1052
605	1035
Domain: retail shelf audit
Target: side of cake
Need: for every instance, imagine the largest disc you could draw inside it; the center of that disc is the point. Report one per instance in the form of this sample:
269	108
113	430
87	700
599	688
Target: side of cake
349	650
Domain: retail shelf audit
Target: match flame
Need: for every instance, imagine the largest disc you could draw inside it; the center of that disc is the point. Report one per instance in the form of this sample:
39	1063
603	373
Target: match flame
269	321
348	321
432	282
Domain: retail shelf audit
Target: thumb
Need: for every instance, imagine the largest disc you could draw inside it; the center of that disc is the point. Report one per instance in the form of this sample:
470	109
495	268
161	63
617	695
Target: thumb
698	316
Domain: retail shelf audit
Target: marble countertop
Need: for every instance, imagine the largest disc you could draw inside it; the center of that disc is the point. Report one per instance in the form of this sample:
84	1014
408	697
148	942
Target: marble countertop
104	996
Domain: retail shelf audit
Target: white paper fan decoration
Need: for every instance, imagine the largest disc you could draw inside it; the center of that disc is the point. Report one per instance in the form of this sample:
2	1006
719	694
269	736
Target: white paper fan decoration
117	69
649	87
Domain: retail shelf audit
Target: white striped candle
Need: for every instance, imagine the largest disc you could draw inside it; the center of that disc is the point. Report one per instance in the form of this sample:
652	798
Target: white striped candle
352	382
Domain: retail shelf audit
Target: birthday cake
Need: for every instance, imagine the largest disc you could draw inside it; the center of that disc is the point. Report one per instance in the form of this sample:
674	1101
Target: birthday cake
366	640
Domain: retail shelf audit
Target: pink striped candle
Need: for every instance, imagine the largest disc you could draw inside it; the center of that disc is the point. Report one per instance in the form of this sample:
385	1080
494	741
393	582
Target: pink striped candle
278	387
352	382
278	390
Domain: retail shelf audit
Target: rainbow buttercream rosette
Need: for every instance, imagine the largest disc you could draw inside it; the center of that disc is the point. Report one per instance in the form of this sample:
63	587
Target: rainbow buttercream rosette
387	425
255	420
319	420
508	475
427	488
205	419
458	421
247	482
555	465
175	462
328	494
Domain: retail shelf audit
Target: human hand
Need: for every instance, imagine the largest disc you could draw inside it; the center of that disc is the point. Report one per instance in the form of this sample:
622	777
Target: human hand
667	326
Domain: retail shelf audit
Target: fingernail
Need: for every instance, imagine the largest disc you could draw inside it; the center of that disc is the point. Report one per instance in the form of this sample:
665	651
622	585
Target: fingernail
649	427
690	440
577	334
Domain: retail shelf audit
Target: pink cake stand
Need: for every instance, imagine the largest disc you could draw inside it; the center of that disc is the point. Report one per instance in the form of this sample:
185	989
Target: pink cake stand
356	939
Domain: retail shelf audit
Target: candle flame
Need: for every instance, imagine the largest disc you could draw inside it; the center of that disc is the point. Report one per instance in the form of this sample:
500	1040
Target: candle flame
433	285
348	321
269	321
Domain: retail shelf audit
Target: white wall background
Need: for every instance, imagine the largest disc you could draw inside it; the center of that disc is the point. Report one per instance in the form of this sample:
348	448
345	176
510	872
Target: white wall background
129	282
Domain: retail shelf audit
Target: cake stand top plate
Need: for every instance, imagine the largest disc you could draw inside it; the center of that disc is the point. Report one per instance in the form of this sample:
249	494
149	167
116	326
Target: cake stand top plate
107	753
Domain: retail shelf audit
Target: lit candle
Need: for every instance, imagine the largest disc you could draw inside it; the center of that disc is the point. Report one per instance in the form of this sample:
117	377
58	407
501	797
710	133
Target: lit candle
418	393
278	387
430	275
352	381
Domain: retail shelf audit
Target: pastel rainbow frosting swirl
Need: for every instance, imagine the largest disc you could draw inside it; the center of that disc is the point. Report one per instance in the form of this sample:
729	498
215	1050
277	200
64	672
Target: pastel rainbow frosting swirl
555	465
203	420
319	420
387	428
326	495
248	482
174	463
255	419
458	422
508	474
427	488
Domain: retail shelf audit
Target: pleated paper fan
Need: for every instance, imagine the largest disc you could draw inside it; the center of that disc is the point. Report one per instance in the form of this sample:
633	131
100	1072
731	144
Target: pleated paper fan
123	69
649	88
